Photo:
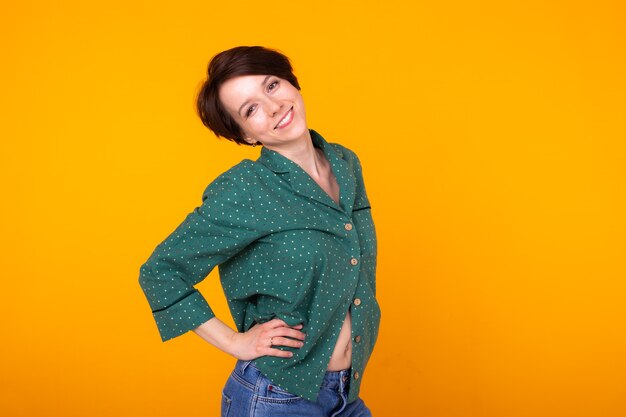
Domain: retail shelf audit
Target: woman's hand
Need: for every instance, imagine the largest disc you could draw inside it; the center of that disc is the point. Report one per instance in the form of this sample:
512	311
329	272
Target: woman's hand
260	338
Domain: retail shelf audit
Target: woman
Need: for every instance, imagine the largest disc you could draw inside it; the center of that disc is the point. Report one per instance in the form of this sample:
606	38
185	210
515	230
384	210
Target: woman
293	236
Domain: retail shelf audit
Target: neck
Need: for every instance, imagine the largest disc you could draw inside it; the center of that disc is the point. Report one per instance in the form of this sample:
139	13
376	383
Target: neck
304	154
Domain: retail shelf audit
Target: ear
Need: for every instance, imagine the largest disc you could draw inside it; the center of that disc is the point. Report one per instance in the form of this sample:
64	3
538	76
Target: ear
249	140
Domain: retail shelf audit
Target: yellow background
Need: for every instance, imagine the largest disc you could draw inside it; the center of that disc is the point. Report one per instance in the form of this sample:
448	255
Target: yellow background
493	141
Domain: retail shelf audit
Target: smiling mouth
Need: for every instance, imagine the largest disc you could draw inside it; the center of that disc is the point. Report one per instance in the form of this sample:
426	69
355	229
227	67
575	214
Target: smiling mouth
287	118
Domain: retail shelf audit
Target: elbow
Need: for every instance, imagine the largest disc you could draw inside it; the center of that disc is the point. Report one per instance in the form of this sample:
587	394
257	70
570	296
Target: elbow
145	274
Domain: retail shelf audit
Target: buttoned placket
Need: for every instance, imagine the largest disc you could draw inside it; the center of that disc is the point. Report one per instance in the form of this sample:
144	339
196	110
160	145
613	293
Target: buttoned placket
304	184
355	251
356	327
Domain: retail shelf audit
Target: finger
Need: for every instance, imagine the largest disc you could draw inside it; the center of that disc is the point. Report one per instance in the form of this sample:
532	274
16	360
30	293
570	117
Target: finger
276	322
289	332
279	353
283	341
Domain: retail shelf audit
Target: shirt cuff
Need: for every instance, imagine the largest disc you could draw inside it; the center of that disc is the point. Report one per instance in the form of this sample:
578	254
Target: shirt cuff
185	315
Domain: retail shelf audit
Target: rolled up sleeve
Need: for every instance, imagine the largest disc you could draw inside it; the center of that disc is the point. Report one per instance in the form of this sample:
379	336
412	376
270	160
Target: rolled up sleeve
212	233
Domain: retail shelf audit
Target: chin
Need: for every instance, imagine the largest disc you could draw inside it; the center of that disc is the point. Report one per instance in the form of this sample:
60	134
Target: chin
299	131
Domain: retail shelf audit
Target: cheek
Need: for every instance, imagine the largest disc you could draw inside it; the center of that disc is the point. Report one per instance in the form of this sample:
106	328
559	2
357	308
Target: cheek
258	122
299	99
301	106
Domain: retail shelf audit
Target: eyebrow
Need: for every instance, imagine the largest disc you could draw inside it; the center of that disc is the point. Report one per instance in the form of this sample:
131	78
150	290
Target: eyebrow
246	102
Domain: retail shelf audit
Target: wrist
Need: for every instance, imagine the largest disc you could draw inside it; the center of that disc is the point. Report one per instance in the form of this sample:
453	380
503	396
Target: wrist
231	344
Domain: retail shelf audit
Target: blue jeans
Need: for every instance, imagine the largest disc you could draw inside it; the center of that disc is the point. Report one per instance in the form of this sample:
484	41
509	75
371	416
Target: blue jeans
249	393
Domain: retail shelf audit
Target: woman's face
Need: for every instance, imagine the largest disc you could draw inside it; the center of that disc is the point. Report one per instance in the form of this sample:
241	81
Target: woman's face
267	108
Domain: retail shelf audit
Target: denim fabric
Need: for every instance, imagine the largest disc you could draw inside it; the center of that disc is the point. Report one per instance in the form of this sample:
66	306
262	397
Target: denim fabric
249	393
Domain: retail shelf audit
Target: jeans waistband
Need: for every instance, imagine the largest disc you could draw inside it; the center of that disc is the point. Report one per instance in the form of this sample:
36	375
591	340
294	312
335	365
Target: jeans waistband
332	379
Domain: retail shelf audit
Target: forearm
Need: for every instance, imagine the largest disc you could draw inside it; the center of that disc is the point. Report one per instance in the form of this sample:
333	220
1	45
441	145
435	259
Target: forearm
217	333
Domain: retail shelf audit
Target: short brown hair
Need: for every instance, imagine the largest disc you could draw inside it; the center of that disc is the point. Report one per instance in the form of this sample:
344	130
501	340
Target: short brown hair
241	60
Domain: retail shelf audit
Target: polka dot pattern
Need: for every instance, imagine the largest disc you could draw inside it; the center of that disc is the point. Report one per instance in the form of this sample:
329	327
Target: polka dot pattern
284	249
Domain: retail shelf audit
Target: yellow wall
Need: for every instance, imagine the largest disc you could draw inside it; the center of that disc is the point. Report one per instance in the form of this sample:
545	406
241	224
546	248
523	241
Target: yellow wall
493	140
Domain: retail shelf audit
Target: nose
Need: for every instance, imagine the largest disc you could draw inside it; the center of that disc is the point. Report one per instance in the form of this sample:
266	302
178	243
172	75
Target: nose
273	106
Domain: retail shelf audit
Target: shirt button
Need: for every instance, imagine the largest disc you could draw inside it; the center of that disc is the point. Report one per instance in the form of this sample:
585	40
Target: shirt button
348	226
354	261
357	339
357	301
356	375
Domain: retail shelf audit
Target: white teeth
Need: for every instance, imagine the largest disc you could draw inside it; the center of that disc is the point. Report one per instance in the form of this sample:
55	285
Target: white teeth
282	122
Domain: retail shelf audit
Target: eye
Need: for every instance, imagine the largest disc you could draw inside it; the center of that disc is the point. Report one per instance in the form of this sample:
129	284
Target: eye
250	110
272	85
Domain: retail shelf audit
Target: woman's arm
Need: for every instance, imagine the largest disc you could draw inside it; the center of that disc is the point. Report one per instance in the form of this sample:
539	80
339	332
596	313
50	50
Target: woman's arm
222	226
253	343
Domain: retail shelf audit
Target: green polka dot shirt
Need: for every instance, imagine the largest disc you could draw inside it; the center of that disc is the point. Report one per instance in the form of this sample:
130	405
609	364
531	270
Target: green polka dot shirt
284	248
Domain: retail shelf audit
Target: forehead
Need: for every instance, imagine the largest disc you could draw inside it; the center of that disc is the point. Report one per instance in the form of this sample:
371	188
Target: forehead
237	90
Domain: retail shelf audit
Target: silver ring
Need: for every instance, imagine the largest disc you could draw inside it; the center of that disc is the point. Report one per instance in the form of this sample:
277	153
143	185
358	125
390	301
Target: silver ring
271	341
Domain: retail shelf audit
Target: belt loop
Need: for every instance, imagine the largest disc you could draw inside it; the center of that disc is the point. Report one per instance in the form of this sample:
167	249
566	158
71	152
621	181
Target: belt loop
245	365
343	378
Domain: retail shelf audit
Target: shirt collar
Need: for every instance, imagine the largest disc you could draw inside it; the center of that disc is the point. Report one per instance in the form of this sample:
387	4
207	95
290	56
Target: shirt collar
304	184
281	164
